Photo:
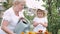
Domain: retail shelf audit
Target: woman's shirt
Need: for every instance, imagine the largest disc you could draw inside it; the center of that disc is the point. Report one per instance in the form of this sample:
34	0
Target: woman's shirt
10	16
40	27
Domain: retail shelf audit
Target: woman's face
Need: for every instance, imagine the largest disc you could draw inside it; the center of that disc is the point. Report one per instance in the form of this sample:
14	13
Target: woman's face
20	6
40	14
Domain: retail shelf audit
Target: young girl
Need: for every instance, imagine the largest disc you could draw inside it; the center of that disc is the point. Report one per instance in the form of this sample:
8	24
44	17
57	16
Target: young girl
40	21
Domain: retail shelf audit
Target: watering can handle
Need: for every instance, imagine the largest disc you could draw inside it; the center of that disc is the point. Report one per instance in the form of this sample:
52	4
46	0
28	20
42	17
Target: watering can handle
22	20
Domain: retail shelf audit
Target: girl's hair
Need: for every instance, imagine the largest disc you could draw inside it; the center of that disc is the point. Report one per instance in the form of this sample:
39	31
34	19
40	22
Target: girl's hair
43	11
16	2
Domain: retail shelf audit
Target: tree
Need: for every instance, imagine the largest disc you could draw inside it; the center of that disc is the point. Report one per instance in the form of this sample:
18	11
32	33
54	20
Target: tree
58	3
53	17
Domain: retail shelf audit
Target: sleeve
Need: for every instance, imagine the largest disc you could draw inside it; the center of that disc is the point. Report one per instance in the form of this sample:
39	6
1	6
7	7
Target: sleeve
6	16
46	20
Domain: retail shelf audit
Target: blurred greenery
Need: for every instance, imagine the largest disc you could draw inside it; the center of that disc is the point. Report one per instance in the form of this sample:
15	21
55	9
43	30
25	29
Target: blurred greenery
58	3
0	20
7	4
53	17
29	17
59	31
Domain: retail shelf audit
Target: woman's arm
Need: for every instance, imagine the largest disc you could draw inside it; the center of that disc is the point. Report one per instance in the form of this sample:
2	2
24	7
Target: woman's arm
4	27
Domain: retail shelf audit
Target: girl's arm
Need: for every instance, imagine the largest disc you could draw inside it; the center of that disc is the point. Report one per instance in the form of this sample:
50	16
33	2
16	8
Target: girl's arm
4	27
35	24
44	24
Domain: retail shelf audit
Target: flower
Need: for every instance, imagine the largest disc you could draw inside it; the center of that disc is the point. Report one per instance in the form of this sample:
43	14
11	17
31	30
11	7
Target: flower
22	33
28	32
31	32
45	32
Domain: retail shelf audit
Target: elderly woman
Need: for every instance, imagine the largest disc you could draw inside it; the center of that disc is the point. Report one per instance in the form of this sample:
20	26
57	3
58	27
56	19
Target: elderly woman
11	17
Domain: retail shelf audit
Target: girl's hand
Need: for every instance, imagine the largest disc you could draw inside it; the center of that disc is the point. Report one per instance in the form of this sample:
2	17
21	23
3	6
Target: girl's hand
44	24
41	23
35	24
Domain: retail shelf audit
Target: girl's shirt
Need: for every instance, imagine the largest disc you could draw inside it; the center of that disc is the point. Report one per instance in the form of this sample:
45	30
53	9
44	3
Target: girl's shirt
40	27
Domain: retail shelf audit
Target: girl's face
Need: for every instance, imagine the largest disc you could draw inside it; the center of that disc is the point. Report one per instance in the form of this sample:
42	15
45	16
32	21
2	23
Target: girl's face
20	6
40	14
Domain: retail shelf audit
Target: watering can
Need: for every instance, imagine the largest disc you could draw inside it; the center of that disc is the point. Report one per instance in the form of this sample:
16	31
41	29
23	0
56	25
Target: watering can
22	26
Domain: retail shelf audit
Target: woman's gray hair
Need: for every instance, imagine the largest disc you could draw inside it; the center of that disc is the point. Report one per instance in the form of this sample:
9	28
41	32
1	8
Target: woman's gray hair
18	1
